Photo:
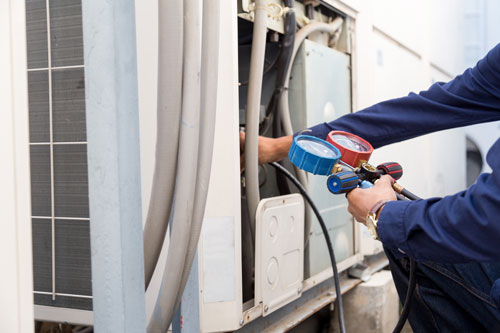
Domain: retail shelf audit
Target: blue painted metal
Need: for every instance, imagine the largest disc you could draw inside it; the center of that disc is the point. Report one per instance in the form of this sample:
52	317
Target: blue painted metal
114	166
187	318
313	155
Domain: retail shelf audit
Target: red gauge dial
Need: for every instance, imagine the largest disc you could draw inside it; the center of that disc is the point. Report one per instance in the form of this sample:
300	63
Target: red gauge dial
354	149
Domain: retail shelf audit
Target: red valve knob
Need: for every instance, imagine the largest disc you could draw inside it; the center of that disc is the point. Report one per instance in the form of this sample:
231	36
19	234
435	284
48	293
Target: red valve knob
393	169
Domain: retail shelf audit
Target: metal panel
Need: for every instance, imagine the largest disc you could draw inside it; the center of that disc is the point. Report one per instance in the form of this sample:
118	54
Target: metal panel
38	87
36	33
66	32
68	98
71	196
320	91
58	152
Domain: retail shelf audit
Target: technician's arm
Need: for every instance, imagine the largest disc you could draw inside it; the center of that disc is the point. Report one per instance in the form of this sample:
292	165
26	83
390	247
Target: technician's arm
457	228
470	98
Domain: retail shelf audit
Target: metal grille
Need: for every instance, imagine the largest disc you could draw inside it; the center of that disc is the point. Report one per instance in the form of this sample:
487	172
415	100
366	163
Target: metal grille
58	152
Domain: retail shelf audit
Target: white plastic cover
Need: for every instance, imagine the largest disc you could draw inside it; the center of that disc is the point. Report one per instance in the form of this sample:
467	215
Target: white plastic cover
279	252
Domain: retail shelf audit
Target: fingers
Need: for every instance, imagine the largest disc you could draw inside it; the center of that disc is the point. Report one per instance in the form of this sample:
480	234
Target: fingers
242	142
386	179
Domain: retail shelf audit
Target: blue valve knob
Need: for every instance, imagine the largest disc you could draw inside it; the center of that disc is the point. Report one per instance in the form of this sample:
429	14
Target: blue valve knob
313	155
342	182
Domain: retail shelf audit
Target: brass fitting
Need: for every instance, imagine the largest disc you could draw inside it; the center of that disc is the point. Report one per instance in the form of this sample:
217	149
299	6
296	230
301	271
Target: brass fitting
398	188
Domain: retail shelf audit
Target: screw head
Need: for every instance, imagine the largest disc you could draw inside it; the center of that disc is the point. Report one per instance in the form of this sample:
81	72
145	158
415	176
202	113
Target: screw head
266	308
242	322
299	290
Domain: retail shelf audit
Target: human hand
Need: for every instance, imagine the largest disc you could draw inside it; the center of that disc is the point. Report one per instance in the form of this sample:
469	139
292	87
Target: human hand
270	149
362	200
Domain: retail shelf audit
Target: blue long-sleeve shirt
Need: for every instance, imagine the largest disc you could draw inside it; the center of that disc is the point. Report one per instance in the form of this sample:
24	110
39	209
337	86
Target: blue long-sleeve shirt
457	228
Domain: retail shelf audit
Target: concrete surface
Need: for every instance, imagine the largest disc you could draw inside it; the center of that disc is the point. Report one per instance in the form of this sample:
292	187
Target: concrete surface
372	306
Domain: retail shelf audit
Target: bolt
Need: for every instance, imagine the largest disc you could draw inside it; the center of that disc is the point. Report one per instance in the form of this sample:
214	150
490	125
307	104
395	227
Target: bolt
299	290
242	322
266	308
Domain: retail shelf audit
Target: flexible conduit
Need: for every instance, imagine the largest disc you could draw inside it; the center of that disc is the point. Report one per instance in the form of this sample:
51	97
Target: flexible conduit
209	81
253	109
186	170
284	107
170	32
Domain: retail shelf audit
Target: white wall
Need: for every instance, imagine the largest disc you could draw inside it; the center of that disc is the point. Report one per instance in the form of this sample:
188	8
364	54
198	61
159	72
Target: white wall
481	33
405	46
16	285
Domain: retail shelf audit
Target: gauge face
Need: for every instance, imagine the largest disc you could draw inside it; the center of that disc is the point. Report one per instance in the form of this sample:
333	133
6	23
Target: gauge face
350	142
319	148
313	155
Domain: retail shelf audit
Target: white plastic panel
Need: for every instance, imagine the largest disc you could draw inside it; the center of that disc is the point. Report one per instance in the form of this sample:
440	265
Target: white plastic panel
279	251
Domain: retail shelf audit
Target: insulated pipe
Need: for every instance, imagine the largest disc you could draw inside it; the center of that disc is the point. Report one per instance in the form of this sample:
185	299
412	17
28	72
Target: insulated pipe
170	52
253	110
209	82
284	107
187	166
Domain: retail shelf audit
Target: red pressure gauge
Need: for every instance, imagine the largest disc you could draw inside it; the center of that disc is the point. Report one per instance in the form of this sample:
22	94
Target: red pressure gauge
355	150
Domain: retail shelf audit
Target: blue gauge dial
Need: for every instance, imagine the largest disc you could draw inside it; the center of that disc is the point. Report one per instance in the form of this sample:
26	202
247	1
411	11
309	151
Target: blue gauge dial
313	155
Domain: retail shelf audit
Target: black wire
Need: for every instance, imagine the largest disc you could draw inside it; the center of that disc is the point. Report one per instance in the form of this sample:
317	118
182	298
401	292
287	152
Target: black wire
303	191
409	295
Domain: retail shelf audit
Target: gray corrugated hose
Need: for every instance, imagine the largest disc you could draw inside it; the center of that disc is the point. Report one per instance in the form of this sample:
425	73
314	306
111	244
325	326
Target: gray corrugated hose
253	109
187	166
284	106
170	33
209	81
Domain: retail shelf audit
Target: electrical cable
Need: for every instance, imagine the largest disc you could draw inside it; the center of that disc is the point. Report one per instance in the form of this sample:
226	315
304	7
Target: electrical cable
303	191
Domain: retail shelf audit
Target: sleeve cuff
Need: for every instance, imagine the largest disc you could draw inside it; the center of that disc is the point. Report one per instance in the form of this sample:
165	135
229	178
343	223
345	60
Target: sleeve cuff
320	131
391	226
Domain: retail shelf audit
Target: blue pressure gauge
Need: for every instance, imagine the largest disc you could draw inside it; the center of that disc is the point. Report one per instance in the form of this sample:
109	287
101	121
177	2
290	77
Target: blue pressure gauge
313	155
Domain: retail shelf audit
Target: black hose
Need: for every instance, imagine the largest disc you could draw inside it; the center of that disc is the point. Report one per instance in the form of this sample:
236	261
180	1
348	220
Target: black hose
413	275
409	295
410	195
303	191
413	266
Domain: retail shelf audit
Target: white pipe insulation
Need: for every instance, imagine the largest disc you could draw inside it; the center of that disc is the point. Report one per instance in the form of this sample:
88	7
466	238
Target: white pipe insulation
253	110
187	166
209	85
170	44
